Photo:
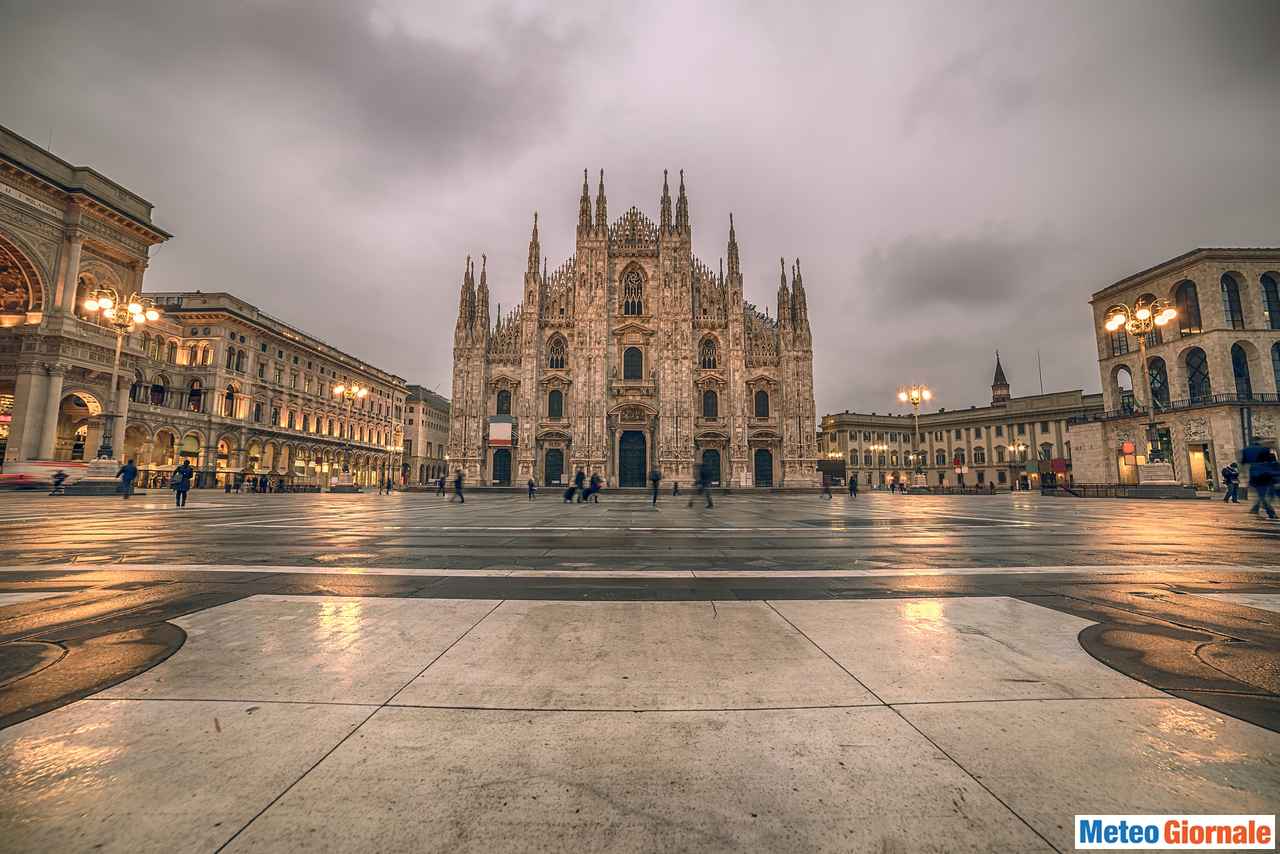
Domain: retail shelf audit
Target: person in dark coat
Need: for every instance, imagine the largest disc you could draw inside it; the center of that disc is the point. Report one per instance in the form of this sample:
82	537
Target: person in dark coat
1262	477
1231	477
533	489
593	490
59	478
853	486
579	480
457	488
675	488
181	481
128	474
654	477
826	487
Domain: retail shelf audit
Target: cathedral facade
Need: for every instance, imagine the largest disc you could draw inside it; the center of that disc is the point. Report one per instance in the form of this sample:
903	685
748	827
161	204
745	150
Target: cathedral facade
633	355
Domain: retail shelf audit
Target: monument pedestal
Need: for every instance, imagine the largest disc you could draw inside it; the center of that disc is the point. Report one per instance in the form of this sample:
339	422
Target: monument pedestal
344	484
99	479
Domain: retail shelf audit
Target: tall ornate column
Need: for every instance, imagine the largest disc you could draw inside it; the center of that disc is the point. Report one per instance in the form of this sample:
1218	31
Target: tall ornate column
52	405
66	295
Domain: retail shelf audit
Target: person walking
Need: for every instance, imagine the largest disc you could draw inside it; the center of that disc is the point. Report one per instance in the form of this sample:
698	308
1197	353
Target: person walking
181	481
1231	478
826	487
675	488
596	483
703	484
128	474
532	489
1262	477
654	477
579	480
457	488
59	478
853	486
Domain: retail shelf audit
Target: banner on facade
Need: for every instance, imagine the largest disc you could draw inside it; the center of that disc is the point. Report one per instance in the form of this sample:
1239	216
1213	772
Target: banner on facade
500	434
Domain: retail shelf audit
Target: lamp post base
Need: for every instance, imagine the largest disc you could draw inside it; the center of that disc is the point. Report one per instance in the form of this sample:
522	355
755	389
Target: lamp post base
344	484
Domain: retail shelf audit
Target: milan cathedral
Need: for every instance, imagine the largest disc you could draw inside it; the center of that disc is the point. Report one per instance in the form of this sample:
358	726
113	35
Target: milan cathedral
633	355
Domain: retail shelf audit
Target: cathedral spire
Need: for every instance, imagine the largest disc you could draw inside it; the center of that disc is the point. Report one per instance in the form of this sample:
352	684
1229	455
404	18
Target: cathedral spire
482	299
682	209
584	205
798	296
733	250
466	302
665	216
784	297
602	210
535	251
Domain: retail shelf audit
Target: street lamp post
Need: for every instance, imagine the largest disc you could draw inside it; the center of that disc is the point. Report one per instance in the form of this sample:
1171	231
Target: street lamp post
1139	320
879	449
916	395
351	393
121	315
1016	450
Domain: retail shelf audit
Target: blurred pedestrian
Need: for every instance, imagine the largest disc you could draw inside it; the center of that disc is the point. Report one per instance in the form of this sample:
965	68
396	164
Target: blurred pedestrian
594	488
457	488
579	480
1262	477
128	474
654	477
853	486
59	478
181	481
532	489
703	484
1231	477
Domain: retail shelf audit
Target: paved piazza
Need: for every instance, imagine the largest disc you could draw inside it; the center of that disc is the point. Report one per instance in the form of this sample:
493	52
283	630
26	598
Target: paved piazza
779	673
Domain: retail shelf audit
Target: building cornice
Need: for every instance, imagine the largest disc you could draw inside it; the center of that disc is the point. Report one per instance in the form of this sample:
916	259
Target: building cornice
1188	259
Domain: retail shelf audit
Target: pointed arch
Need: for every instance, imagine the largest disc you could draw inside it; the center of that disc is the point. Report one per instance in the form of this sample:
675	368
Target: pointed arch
557	350
632	291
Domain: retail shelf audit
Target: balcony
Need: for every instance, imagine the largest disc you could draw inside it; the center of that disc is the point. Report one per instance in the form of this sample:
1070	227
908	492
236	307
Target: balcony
1137	411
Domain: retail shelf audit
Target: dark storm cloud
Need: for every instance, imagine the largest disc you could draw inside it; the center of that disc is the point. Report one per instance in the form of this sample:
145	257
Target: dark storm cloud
958	177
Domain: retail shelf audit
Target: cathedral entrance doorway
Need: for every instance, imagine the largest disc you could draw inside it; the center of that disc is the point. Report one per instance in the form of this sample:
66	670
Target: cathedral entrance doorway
502	467
632	457
553	466
711	459
764	467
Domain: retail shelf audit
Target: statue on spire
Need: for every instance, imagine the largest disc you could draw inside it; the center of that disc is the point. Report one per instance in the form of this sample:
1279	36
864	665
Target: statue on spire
682	208
664	219
584	205
733	250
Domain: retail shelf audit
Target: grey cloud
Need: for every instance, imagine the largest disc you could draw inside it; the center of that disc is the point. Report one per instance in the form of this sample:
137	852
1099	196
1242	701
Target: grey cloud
956	176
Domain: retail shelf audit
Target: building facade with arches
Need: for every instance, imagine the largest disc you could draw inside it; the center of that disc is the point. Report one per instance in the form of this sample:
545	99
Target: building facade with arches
1211	375
214	381
64	230
1016	442
426	436
633	355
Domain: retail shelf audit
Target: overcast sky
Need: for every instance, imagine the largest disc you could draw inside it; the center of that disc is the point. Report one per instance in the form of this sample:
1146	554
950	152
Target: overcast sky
955	177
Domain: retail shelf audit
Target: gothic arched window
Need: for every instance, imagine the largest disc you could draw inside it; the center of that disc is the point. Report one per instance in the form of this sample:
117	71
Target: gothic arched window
1188	304
633	293
1198	386
193	355
1231	308
710	404
1153	337
1271	300
1240	370
762	404
708	355
555	404
504	402
632	364
1275	362
555	354
1158	376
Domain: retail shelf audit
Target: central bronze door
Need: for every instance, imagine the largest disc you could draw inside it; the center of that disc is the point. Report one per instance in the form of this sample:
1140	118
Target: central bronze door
632	459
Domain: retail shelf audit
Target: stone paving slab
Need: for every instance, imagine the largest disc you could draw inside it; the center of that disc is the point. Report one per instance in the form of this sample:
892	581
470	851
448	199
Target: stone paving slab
972	648
1051	760
633	655
1262	601
306	649
793	780
128	776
